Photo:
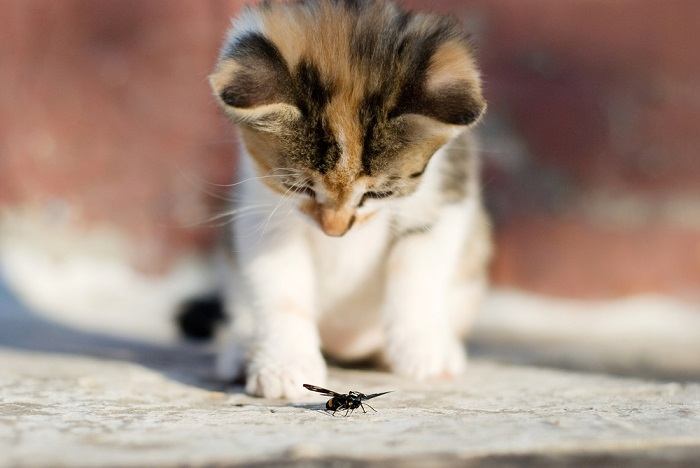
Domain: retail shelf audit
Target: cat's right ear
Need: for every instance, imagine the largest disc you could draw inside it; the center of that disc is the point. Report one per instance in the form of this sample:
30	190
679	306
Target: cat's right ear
253	84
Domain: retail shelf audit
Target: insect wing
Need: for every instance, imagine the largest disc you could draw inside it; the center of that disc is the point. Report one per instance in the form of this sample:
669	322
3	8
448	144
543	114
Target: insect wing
373	395
322	391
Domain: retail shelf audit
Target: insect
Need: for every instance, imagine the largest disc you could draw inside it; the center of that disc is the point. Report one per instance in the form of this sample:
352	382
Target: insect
344	401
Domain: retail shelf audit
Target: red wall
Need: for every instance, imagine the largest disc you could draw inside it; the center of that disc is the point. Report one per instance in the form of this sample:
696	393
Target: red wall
592	136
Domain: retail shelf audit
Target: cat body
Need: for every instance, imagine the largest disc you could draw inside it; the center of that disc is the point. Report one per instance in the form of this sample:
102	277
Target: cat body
358	227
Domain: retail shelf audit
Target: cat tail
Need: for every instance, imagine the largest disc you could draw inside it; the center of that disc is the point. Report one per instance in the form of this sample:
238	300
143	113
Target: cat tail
199	318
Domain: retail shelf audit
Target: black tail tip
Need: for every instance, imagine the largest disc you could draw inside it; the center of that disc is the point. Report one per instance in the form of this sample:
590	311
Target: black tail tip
199	318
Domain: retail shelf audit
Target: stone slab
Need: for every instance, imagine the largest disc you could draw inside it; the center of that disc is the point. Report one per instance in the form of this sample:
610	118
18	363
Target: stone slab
70	410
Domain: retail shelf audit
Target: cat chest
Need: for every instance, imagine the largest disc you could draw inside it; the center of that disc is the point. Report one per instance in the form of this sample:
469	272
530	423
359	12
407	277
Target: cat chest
347	266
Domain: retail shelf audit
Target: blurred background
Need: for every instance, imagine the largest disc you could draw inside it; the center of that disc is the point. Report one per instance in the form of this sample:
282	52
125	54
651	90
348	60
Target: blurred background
112	152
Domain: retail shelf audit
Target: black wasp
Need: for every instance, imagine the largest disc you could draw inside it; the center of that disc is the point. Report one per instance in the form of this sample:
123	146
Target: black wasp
344	401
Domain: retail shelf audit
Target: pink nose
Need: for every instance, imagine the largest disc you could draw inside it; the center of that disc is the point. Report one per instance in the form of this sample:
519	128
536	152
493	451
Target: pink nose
336	222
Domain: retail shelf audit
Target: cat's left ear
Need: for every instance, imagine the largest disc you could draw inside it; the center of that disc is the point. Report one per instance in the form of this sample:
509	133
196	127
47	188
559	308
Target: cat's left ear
253	85
450	88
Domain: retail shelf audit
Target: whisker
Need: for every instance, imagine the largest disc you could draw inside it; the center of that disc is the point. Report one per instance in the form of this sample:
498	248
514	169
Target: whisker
197	184
285	198
250	179
232	213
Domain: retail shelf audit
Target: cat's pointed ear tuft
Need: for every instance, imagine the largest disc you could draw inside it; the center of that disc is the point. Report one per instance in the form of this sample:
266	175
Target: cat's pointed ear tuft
450	91
253	84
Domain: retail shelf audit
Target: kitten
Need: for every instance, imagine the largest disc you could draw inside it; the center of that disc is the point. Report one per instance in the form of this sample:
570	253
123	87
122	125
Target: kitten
359	228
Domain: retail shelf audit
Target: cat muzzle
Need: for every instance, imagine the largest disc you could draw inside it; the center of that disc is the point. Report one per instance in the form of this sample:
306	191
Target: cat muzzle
336	222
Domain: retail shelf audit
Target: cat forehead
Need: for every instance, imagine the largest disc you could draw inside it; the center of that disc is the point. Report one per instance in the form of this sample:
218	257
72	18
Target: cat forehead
349	68
353	43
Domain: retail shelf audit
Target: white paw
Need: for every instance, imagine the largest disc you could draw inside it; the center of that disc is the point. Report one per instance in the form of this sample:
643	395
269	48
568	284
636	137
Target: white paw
426	357
281	373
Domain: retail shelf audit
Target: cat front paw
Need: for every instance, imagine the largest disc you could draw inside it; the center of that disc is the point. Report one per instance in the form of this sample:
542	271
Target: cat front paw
423	358
281	375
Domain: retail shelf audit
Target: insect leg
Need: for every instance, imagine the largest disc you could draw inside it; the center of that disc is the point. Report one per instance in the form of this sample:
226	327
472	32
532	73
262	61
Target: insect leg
371	407
363	408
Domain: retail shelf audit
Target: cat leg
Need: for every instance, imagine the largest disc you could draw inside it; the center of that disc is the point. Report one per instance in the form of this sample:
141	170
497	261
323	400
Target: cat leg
470	282
284	351
421	337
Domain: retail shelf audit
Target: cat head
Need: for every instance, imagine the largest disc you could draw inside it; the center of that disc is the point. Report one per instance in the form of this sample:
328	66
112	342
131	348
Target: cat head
350	98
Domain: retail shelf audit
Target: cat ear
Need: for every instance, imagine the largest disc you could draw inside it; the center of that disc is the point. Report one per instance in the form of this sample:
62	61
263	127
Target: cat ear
253	84
450	87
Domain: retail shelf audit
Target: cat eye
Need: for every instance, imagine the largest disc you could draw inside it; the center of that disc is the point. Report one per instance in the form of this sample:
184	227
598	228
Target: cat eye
416	175
379	194
306	190
375	196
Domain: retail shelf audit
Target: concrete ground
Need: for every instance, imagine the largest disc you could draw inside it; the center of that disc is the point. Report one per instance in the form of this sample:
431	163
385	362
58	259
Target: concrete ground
70	398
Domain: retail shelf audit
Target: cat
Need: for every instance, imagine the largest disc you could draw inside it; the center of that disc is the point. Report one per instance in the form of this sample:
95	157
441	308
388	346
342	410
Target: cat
359	229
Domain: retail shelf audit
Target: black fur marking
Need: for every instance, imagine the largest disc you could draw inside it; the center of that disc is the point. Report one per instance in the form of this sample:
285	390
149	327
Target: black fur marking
263	77
312	95
353	5
256	46
369	116
199	318
401	22
456	104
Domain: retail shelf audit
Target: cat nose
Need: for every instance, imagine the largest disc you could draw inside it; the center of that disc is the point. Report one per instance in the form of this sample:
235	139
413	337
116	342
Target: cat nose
336	222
